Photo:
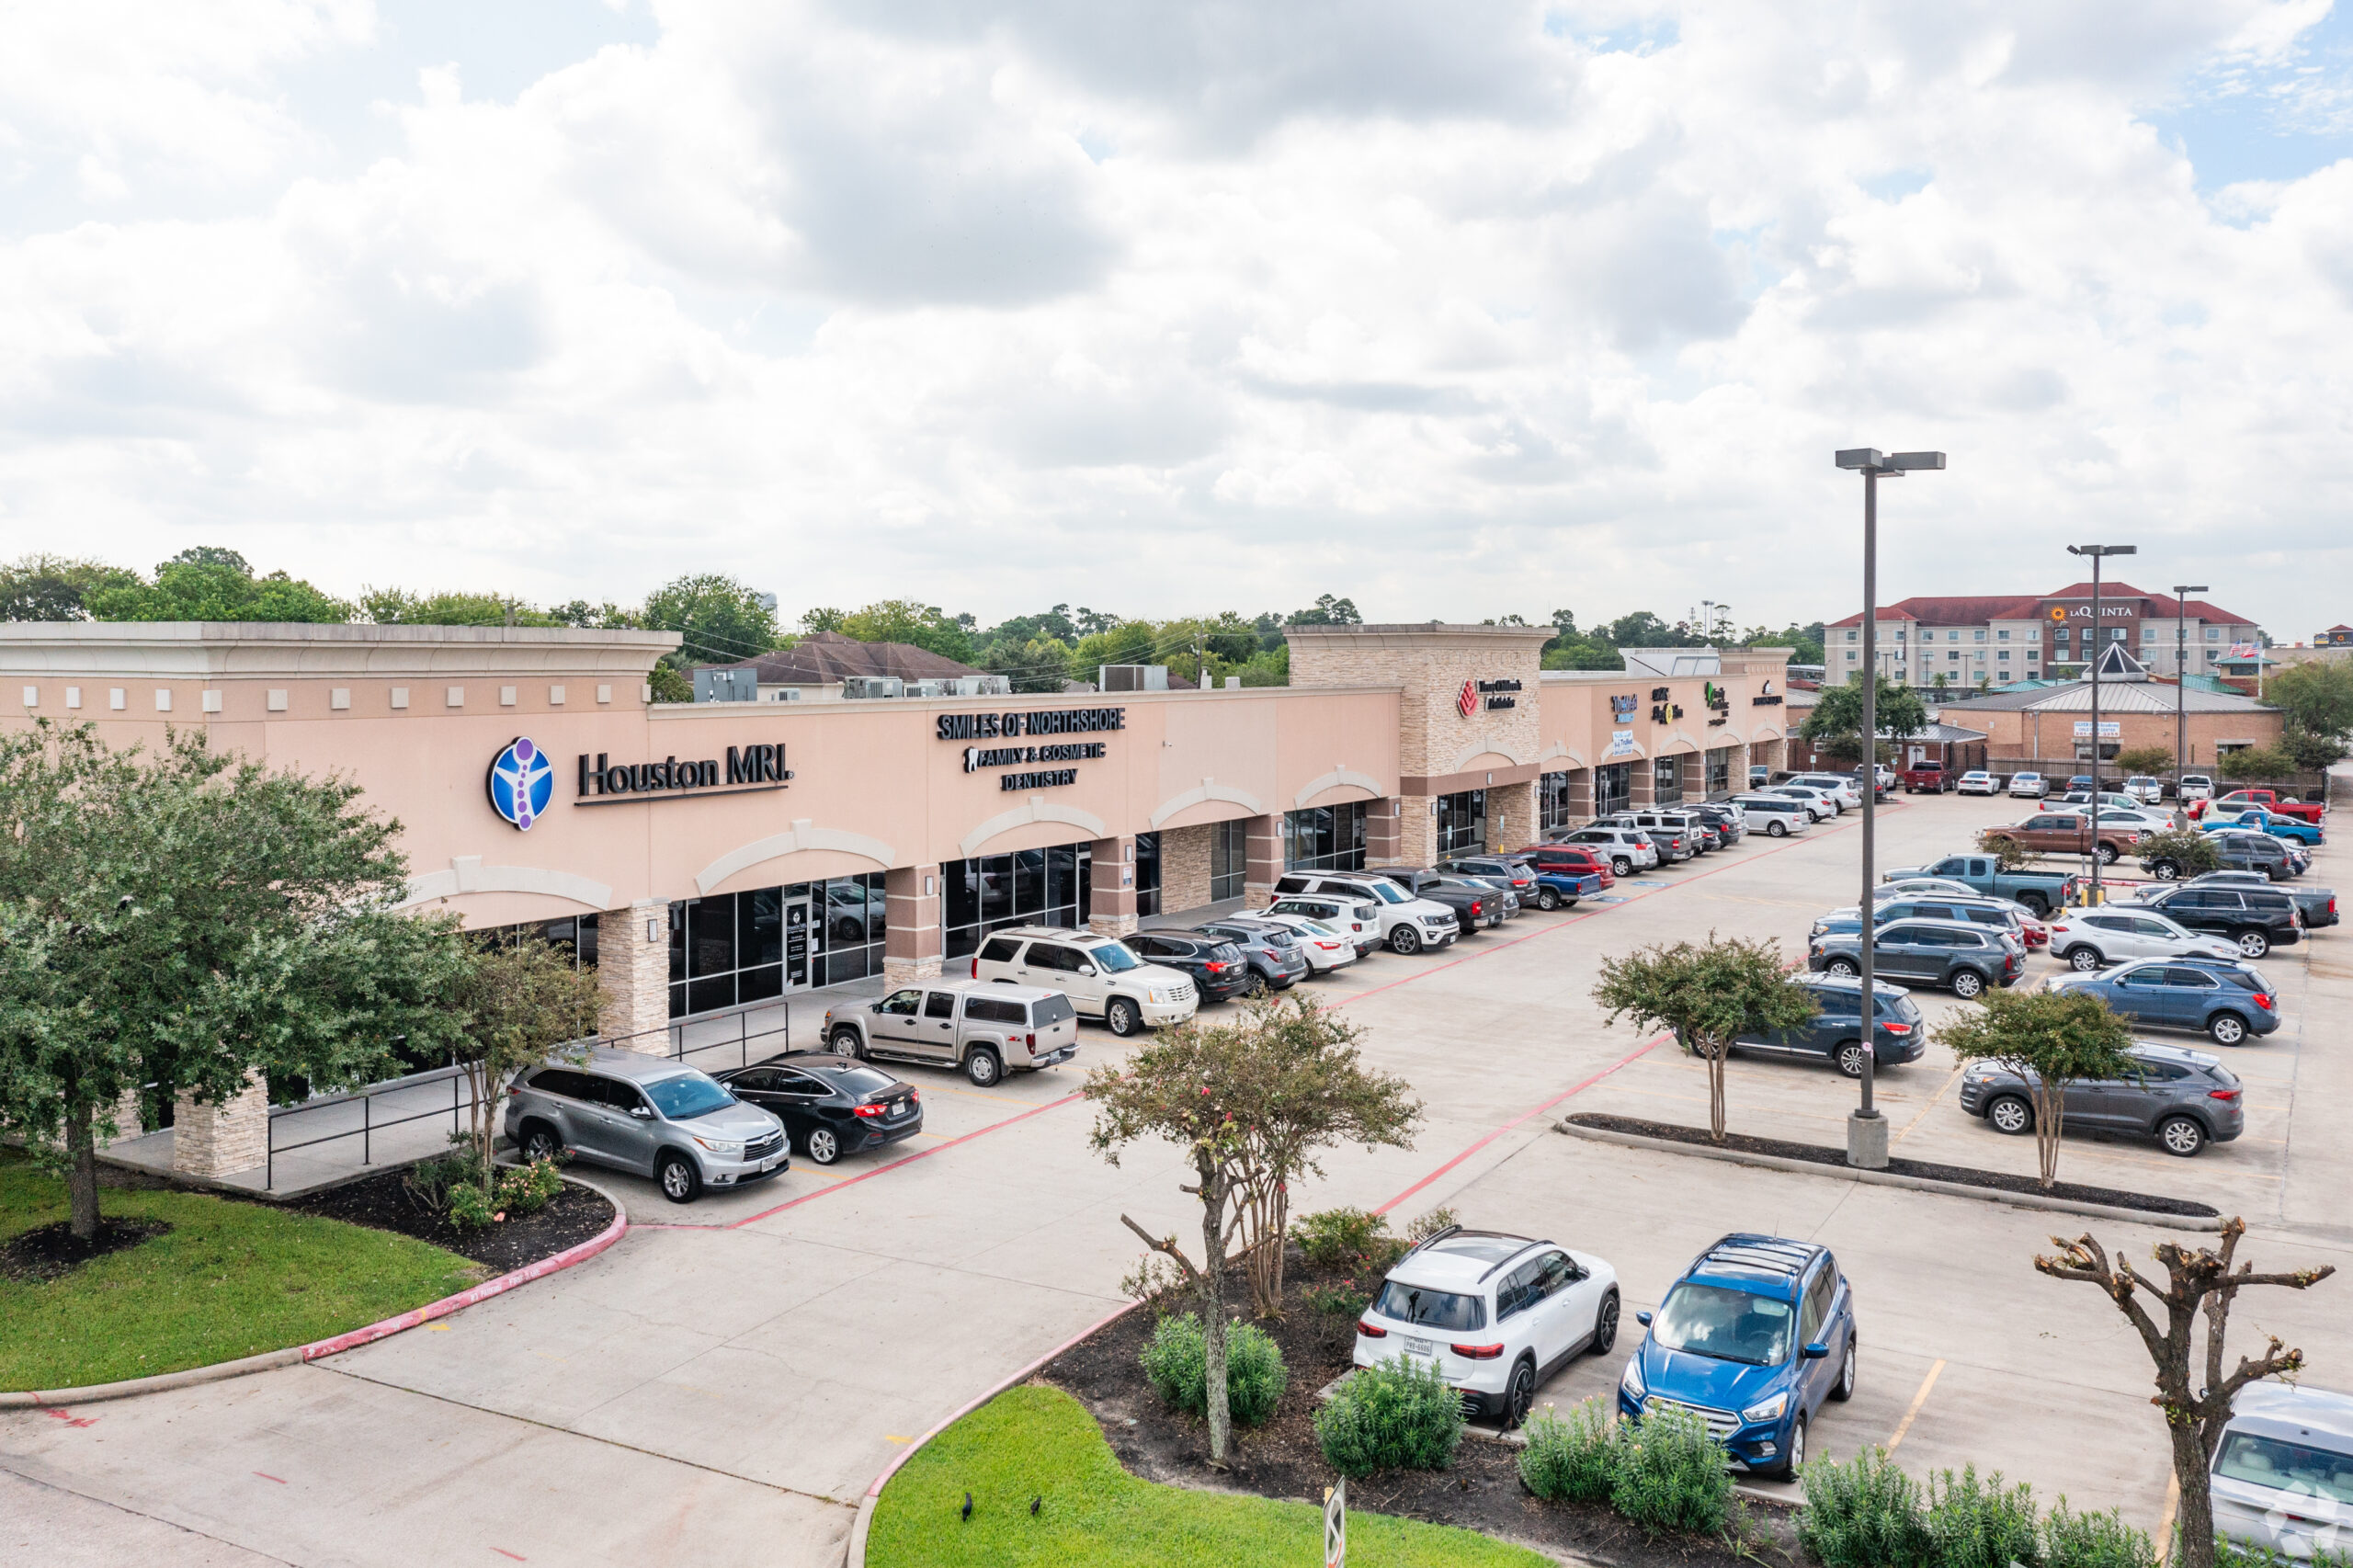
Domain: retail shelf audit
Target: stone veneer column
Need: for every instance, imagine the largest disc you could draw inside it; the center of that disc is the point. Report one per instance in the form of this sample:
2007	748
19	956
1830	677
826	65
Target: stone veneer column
1380	820
913	942
1580	796
1511	816
1265	840
1416	830
214	1141
635	972
1645	788
1113	910
126	1120
1185	867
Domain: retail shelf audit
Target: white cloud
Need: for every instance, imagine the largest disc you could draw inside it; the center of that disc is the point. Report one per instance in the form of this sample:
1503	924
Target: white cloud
1459	312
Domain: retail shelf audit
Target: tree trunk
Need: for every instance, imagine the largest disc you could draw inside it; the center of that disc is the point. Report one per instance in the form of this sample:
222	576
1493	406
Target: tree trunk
1282	1232
2049	1121
1715	1053
2195	1517
82	1173
1214	1307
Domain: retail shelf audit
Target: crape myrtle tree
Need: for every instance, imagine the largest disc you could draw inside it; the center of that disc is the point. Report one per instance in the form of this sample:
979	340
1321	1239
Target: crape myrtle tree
1709	994
518	1002
1249	1100
181	919
2194	1390
2050	1039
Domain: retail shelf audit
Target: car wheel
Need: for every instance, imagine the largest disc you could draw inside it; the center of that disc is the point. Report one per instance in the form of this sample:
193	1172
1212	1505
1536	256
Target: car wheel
2108	854
2165	870
1123	1017
1621	866
1794	1460
681	1182
2181	1135
2228	1029
1404	939
2036	905
1548	900
2084	959
1776	830
1520	1396
1968	984
1843	1389
1850	1059
845	1042
539	1143
824	1145
2010	1114
2254	943
983	1069
1605	1325
1841	967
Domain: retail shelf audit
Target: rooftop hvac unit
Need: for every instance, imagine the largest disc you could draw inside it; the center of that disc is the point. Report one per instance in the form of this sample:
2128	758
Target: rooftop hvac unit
785	694
869	686
713	685
980	686
1132	677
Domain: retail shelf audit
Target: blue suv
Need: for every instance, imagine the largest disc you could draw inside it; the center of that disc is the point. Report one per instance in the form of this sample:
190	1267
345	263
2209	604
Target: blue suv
2224	1000
1753	1337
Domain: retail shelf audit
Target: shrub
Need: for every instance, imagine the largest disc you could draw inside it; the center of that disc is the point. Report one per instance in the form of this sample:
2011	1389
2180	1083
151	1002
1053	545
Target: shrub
2093	1541
1398	1416
1348	1241
1176	1362
1980	1524
1672	1476
467	1208
2238	1554
1341	1301
1574	1460
529	1188
1863	1515
2184	851
1428	1226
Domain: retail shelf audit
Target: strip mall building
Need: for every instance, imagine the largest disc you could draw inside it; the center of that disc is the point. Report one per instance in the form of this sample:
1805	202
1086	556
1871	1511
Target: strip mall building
713	856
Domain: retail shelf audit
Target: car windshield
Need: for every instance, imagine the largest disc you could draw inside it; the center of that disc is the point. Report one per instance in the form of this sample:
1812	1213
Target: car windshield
1731	1326
690	1095
2285	1467
1425	1308
1114	959
1388	893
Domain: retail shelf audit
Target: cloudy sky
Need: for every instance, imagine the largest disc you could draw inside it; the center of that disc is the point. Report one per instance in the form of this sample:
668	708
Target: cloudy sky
1458	309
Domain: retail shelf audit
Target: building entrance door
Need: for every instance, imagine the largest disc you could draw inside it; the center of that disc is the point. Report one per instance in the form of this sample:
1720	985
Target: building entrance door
801	940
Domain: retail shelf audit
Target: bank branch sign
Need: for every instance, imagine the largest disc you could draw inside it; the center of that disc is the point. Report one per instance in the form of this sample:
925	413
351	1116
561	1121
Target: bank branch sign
521	783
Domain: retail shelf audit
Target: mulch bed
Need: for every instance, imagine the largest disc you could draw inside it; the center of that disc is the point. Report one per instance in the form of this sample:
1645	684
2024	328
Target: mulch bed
1481	1491
574	1215
50	1252
1965	1175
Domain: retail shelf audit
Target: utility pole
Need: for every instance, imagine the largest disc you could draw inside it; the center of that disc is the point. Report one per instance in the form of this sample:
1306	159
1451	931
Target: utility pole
2181	593
2098	553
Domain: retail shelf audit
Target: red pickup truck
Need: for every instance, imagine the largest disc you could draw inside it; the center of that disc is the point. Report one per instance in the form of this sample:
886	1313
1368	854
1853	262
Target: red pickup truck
1928	777
2239	800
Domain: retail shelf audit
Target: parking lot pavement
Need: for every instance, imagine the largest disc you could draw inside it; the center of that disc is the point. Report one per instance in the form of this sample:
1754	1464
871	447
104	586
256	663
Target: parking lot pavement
785	1341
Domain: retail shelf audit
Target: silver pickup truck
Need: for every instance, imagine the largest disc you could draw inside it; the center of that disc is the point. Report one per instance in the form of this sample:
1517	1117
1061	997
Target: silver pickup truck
985	1030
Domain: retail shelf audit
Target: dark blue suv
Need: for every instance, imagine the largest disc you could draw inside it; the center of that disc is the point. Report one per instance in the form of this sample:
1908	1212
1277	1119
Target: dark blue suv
1754	1336
2223	1000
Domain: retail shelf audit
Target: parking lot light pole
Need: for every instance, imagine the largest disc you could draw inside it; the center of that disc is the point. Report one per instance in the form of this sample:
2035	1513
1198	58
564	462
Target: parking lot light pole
1865	1129
2181	592
2098	553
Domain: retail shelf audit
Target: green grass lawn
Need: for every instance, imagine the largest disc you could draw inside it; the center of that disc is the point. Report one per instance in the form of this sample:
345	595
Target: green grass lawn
230	1280
1033	1441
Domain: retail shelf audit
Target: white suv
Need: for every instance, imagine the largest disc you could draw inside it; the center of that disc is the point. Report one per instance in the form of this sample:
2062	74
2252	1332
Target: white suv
1838	784
1408	924
1359	920
1102	978
1626	849
1496	1314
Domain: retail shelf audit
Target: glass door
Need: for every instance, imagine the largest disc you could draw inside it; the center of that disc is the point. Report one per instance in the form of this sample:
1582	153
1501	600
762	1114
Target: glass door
800	939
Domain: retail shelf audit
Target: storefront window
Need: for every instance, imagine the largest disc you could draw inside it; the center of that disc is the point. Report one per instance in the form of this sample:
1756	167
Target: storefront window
1666	779
1035	887
1325	838
734	949
1613	787
1462	823
1552	801
1720	773
578	935
1229	858
1147	874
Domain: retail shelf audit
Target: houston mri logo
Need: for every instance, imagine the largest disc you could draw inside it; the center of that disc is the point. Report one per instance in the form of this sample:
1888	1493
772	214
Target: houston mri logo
521	783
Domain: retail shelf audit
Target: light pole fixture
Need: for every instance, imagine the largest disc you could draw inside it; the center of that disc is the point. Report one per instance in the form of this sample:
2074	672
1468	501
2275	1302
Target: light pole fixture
2098	553
2181	592
1865	1129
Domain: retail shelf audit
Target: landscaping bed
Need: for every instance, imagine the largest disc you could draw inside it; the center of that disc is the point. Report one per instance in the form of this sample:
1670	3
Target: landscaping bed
1481	1491
1962	1176
385	1202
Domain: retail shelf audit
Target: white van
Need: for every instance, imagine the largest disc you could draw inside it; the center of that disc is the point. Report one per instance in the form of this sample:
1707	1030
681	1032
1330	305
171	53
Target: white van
2283	1472
1778	815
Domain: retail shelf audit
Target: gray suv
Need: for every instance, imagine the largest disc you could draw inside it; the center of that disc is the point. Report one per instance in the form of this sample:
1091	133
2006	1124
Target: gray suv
649	1115
2185	1100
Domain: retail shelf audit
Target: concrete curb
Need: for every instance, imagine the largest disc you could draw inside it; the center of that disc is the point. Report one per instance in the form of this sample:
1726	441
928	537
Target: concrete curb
293	1355
1889	1179
856	1555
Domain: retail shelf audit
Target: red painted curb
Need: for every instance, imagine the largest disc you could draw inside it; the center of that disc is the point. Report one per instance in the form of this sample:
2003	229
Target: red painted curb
483	1292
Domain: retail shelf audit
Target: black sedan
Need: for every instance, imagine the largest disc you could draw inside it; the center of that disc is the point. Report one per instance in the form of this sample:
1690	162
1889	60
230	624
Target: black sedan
830	1104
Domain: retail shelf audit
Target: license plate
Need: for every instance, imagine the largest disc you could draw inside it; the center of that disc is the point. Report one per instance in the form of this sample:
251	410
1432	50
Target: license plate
897	1112
1421	1347
771	1162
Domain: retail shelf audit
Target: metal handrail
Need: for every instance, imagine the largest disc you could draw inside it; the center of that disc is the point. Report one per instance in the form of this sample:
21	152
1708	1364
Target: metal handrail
463	1100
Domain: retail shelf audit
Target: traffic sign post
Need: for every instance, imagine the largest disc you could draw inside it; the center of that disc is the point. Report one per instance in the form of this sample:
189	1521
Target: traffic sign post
1335	1524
